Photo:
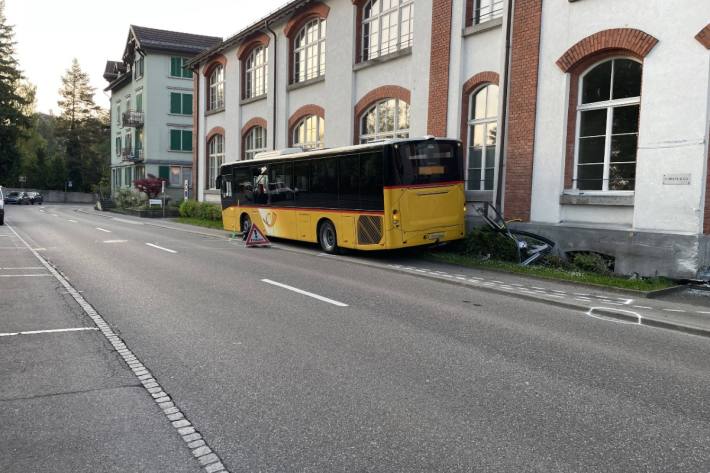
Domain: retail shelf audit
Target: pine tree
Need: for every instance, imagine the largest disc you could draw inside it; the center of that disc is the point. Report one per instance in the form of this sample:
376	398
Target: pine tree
79	112
13	117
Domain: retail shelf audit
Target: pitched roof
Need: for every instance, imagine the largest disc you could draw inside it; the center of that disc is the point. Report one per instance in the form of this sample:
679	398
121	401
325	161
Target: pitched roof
163	40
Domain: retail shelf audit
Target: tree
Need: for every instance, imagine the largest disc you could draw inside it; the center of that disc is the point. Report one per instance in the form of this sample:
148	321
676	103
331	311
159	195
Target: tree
150	186
13	117
84	130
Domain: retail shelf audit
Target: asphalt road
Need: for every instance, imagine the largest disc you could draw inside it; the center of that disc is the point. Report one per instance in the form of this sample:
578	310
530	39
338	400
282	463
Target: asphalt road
390	373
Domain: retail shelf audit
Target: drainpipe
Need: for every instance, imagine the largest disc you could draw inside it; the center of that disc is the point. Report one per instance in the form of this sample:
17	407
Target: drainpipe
196	134
504	112
276	54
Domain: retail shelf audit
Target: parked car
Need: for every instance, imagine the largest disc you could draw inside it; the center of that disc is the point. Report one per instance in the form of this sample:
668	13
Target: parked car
2	208
18	198
35	198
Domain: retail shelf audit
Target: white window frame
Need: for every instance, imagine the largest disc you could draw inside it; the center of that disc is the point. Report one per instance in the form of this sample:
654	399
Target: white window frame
314	123
609	105
379	135
256	74
215	158
367	53
317	43
215	99
251	142
472	122
492	9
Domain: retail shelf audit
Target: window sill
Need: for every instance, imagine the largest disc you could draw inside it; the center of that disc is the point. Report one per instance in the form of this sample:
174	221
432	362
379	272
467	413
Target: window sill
180	78
212	191
252	99
183	115
481	27
214	112
179	151
305	83
385	58
608	199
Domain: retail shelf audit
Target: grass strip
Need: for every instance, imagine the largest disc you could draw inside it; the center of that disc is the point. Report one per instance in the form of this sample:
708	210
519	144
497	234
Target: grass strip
642	284
201	222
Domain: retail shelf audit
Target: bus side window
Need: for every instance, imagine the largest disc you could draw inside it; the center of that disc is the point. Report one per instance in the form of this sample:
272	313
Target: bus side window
324	182
280	186
371	181
261	185
301	189
243	185
349	182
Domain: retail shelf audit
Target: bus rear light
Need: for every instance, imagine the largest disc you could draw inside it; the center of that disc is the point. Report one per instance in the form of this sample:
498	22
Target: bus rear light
395	217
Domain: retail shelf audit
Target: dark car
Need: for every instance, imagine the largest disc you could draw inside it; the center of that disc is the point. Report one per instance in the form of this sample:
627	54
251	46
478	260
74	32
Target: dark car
18	198
35	198
2	208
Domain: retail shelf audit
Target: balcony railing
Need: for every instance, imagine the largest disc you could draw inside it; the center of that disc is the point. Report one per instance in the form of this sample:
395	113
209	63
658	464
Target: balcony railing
133	119
132	155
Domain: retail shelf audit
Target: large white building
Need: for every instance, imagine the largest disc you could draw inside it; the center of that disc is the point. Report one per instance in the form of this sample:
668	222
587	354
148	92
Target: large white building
151	107
590	128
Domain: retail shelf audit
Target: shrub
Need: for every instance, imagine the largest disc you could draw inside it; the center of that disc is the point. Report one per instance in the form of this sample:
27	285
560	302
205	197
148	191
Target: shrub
150	186
486	243
127	199
201	210
592	263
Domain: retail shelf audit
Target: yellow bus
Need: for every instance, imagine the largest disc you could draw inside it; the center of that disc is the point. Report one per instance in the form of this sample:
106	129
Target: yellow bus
377	196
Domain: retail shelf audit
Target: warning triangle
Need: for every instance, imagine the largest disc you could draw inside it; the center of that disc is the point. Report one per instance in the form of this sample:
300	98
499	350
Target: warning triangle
256	237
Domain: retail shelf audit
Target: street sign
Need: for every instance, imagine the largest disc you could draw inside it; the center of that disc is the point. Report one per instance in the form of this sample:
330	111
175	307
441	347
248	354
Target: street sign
185	190
22	179
69	183
155	202
256	237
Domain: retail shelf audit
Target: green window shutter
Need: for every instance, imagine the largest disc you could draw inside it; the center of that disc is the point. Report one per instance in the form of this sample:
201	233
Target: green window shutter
187	141
175	140
139	103
187	73
187	104
175	102
164	172
175	63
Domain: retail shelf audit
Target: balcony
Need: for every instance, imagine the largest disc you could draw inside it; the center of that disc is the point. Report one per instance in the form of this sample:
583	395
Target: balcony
132	155
132	119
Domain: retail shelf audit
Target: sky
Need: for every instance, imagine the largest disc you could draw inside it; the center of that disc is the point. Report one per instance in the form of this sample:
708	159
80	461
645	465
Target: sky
50	33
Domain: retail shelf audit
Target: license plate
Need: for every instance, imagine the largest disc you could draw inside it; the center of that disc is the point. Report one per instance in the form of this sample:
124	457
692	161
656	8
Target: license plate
435	236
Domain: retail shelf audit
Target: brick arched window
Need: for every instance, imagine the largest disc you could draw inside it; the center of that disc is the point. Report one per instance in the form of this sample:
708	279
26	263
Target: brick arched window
603	119
383	27
479	129
306	31
307	127
254	59
215	157
254	138
382	113
214	72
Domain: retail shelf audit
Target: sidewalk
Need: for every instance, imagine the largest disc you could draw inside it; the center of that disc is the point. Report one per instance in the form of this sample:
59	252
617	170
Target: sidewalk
677	311
68	400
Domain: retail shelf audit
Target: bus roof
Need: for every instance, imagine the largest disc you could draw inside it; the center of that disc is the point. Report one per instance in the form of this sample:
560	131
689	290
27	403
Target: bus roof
341	149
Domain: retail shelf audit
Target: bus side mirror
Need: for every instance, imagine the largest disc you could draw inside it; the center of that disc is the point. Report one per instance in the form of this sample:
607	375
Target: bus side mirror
218	182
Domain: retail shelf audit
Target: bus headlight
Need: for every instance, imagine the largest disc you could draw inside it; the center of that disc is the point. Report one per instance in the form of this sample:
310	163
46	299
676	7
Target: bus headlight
395	218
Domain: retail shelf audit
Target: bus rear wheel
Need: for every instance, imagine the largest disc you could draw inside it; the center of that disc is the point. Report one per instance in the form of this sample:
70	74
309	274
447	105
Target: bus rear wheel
327	237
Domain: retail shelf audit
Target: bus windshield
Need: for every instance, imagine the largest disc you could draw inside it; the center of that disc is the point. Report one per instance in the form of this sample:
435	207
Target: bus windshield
426	162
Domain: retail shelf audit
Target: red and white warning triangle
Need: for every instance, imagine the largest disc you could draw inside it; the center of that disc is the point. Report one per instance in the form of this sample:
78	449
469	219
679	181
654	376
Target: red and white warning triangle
256	237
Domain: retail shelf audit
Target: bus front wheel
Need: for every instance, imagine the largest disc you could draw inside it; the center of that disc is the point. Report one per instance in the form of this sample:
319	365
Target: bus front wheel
246	224
327	237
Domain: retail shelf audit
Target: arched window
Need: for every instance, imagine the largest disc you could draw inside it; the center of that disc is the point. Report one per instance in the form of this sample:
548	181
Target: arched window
309	133
607	126
256	72
386	119
254	142
215	158
386	27
216	89
482	138
309	51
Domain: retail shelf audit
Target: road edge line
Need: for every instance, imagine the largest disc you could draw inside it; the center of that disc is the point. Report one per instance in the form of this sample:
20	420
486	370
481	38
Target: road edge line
197	445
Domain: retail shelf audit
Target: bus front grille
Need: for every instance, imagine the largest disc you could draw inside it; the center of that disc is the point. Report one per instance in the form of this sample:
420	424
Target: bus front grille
369	229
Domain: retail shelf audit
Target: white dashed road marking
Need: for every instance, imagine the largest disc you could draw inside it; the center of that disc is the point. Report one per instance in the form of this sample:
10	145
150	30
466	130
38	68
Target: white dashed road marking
58	330
161	248
115	241
24	275
673	310
305	293
103	230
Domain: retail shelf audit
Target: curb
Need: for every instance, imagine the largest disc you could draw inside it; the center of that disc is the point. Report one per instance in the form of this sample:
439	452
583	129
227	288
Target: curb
620	314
